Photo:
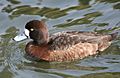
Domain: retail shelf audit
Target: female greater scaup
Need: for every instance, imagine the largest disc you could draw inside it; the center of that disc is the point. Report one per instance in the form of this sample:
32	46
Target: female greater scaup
63	46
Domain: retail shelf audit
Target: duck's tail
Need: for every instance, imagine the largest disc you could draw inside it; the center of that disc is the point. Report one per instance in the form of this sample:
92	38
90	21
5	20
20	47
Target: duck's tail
114	36
106	43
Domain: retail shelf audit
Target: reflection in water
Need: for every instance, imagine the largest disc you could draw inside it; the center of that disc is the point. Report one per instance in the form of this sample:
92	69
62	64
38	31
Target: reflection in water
109	1
14	1
87	19
117	6
103	75
90	15
45	11
6	49
28	10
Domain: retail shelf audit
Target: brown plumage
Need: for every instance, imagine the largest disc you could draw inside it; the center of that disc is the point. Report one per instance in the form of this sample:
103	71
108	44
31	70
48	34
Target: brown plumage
64	46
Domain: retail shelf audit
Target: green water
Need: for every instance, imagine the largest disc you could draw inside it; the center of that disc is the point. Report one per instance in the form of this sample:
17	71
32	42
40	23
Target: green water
102	16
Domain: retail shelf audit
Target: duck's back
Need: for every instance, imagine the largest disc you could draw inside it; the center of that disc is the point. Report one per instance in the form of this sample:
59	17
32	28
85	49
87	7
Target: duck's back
64	40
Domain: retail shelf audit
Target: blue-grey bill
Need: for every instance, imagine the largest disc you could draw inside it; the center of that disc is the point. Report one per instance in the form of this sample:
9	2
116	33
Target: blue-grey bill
20	37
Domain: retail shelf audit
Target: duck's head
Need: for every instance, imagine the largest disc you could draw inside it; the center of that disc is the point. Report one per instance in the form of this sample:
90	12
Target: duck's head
35	30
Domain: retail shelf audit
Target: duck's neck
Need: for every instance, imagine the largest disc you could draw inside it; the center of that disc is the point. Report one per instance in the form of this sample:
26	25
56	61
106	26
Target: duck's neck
40	42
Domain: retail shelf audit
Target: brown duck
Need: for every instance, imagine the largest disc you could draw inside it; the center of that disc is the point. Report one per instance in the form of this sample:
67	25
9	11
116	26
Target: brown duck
63	46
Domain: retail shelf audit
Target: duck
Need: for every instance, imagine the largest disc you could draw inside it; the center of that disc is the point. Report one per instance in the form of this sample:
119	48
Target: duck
62	46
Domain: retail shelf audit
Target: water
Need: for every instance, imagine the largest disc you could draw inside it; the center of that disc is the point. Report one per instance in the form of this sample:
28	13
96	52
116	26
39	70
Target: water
102	16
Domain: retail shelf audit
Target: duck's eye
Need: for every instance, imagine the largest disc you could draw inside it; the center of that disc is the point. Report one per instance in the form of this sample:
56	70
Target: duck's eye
31	29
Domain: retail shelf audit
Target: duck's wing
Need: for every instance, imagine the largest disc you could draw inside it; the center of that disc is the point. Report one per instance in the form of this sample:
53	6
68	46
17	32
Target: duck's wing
64	40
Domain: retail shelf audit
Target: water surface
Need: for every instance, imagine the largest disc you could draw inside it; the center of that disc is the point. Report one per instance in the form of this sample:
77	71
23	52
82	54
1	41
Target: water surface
101	16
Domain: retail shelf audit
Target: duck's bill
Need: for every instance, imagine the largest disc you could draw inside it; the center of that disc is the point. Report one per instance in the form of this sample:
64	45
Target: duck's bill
20	37
23	36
